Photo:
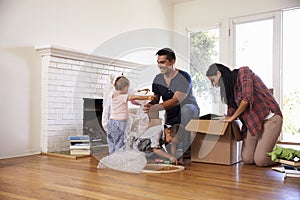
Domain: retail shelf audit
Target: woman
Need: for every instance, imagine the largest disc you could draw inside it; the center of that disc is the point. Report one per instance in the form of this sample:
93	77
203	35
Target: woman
248	99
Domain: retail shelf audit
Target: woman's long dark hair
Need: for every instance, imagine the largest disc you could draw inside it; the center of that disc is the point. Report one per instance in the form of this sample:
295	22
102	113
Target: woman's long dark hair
226	82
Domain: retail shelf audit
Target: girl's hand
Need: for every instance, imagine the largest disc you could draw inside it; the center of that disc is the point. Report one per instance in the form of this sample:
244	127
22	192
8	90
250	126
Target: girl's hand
151	97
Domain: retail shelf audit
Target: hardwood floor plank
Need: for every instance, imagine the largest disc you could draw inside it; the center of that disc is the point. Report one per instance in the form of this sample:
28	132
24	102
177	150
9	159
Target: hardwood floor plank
48	177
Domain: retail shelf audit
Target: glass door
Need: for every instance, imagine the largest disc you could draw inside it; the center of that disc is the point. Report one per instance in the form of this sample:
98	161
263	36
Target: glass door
291	71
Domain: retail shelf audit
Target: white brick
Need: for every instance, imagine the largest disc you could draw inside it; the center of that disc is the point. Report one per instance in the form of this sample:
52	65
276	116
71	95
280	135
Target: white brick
57	94
56	59
110	68
68	94
94	85
91	70
62	100
52	76
51	99
69	83
97	65
84	63
63	66
56	82
73	62
55	116
101	81
128	70
68	116
63	77
64	88
82	84
78	68
95	75
62	111
51	88
52	111
55	71
70	72
83	74
52	64
119	69
51	121
57	105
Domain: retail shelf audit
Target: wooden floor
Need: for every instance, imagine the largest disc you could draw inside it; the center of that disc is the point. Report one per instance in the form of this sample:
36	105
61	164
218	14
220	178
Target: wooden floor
48	177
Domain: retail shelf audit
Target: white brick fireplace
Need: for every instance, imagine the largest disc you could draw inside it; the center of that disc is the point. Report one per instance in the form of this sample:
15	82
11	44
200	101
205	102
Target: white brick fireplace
68	76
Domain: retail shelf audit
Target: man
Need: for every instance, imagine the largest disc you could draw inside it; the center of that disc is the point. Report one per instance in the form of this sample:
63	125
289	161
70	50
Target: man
175	88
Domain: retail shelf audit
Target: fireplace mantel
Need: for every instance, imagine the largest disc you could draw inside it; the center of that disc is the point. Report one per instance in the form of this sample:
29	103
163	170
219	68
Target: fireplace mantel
63	52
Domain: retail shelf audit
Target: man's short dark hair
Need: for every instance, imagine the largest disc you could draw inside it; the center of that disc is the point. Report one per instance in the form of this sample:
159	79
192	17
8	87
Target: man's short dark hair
169	53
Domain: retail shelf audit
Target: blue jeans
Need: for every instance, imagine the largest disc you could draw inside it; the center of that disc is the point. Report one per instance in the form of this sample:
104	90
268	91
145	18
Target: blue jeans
115	134
187	112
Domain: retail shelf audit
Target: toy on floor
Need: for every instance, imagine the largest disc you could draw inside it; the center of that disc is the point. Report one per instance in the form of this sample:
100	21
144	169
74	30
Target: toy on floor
284	153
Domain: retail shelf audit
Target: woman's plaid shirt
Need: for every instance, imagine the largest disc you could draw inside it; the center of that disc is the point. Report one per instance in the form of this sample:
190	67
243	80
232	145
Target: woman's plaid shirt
249	87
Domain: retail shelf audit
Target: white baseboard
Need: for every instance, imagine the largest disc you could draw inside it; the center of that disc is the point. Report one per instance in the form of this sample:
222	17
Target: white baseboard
20	154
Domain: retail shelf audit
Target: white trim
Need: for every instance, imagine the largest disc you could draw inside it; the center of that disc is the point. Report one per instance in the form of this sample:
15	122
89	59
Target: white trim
58	51
196	29
21	154
253	18
277	56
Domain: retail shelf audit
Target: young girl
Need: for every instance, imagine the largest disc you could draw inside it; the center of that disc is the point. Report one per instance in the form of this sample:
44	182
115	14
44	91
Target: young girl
119	113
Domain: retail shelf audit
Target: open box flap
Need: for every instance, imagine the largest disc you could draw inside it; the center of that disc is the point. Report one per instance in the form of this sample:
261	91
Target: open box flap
213	127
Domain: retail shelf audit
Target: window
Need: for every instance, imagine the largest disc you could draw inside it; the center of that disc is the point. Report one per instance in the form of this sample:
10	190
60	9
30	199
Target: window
291	71
254	48
204	50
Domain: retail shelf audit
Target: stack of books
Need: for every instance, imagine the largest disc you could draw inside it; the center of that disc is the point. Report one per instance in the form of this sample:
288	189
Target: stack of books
290	168
80	145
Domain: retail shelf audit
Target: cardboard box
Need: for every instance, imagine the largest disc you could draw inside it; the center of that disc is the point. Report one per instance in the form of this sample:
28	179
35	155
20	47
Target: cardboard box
214	141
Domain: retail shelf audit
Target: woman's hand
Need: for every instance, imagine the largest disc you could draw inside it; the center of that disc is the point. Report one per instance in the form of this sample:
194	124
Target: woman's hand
227	119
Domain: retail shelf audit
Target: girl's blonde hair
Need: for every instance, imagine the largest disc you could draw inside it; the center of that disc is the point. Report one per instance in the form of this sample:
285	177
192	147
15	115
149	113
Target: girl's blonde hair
121	82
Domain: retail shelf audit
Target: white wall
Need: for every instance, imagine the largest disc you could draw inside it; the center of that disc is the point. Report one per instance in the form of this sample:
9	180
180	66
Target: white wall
81	24
89	25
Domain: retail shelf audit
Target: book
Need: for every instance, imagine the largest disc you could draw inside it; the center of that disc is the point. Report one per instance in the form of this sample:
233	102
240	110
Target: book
288	162
79	137
292	175
80	146
80	152
289	171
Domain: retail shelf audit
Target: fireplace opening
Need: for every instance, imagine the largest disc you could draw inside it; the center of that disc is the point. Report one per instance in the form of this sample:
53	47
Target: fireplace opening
92	126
